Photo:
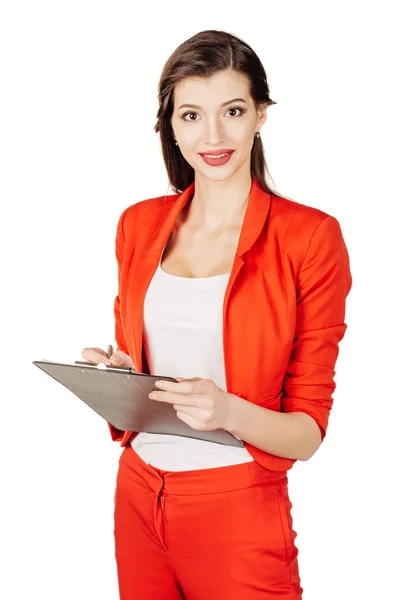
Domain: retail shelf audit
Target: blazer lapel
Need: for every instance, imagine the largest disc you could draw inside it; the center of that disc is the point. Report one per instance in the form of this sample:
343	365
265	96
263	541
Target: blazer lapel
162	222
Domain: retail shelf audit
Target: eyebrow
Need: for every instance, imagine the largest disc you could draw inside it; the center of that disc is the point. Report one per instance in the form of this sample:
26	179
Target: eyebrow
223	104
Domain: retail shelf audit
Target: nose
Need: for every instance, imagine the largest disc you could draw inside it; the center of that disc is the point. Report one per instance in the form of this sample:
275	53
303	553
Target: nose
214	132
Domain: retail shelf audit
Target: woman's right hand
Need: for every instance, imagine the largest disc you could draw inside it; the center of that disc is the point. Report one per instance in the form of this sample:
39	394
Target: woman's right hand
117	358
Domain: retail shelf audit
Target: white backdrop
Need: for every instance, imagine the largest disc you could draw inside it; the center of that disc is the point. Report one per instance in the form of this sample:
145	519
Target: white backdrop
78	107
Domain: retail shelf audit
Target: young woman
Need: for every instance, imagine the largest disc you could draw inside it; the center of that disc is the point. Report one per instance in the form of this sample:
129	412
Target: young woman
241	293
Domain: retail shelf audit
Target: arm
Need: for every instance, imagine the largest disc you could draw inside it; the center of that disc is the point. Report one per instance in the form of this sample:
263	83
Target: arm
291	435
323	284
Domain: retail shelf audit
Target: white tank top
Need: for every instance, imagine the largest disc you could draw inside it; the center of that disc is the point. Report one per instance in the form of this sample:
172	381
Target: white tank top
182	336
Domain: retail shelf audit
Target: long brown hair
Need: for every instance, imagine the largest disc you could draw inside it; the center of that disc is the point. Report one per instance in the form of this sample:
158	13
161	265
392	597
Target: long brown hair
204	54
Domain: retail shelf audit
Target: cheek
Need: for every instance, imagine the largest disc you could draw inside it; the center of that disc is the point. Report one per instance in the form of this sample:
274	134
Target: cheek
187	148
179	129
190	136
244	133
189	144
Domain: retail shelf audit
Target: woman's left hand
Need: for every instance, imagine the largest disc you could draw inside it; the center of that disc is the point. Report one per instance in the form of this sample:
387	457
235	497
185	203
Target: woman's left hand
200	403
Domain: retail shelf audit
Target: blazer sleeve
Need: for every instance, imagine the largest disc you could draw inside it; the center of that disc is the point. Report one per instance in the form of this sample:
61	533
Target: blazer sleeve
119	253
323	283
117	434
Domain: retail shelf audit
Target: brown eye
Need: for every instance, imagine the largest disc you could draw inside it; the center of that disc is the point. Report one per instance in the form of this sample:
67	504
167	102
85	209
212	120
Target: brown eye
241	111
189	114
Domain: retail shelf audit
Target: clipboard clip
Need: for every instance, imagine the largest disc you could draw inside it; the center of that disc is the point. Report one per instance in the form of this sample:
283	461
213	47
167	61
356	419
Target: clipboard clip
104	367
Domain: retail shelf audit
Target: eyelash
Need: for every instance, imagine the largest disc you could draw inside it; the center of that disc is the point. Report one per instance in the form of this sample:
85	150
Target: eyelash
242	111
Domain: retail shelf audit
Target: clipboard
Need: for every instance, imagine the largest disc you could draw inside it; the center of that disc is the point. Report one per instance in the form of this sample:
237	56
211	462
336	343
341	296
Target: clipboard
120	396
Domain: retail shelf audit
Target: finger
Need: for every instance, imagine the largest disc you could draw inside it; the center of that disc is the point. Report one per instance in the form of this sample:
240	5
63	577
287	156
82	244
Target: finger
95	355
173	398
194	411
122	359
190	420
181	387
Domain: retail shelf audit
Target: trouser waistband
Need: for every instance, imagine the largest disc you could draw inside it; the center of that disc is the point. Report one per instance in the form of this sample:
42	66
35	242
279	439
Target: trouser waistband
199	481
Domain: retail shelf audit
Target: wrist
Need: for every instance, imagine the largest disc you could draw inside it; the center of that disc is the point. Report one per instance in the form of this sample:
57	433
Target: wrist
233	413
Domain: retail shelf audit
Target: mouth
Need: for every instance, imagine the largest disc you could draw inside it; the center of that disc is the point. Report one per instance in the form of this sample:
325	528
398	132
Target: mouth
219	157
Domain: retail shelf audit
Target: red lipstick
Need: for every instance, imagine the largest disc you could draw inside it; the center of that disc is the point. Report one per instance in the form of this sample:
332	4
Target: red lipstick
221	160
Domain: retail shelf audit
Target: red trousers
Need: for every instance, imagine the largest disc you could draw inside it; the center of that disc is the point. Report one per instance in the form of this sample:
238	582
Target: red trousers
220	533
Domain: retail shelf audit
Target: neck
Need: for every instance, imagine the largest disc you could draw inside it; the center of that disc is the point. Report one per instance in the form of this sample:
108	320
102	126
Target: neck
219	204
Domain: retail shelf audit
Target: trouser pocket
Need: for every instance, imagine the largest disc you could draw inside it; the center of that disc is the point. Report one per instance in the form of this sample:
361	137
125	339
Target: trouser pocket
285	524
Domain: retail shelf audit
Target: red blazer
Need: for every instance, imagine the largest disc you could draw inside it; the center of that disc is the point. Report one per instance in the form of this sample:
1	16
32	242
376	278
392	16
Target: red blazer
284	306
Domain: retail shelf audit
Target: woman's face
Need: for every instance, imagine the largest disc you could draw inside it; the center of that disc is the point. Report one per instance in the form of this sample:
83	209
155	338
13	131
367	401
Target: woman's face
216	113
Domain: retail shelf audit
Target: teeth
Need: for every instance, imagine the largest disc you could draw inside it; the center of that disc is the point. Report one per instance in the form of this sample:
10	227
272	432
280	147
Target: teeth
216	155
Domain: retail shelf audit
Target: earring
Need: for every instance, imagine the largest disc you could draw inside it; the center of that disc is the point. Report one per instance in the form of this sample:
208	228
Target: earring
176	143
257	134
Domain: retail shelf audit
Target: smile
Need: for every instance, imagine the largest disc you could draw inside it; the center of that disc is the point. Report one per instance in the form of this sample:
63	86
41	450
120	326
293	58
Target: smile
217	159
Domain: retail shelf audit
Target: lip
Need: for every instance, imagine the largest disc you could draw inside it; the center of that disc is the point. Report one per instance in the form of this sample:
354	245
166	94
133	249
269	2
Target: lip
216	162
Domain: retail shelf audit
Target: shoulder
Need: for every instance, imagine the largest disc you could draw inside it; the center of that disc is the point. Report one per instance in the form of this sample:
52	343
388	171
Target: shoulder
300	221
305	231
296	212
132	215
143	206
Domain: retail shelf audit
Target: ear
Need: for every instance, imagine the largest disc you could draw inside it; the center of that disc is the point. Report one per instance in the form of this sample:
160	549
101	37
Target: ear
262	115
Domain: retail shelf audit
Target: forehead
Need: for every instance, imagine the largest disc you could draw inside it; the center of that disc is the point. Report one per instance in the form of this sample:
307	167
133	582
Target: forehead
218	87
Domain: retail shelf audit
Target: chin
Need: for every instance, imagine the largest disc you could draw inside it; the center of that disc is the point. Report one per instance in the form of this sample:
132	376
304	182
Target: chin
218	176
215	173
